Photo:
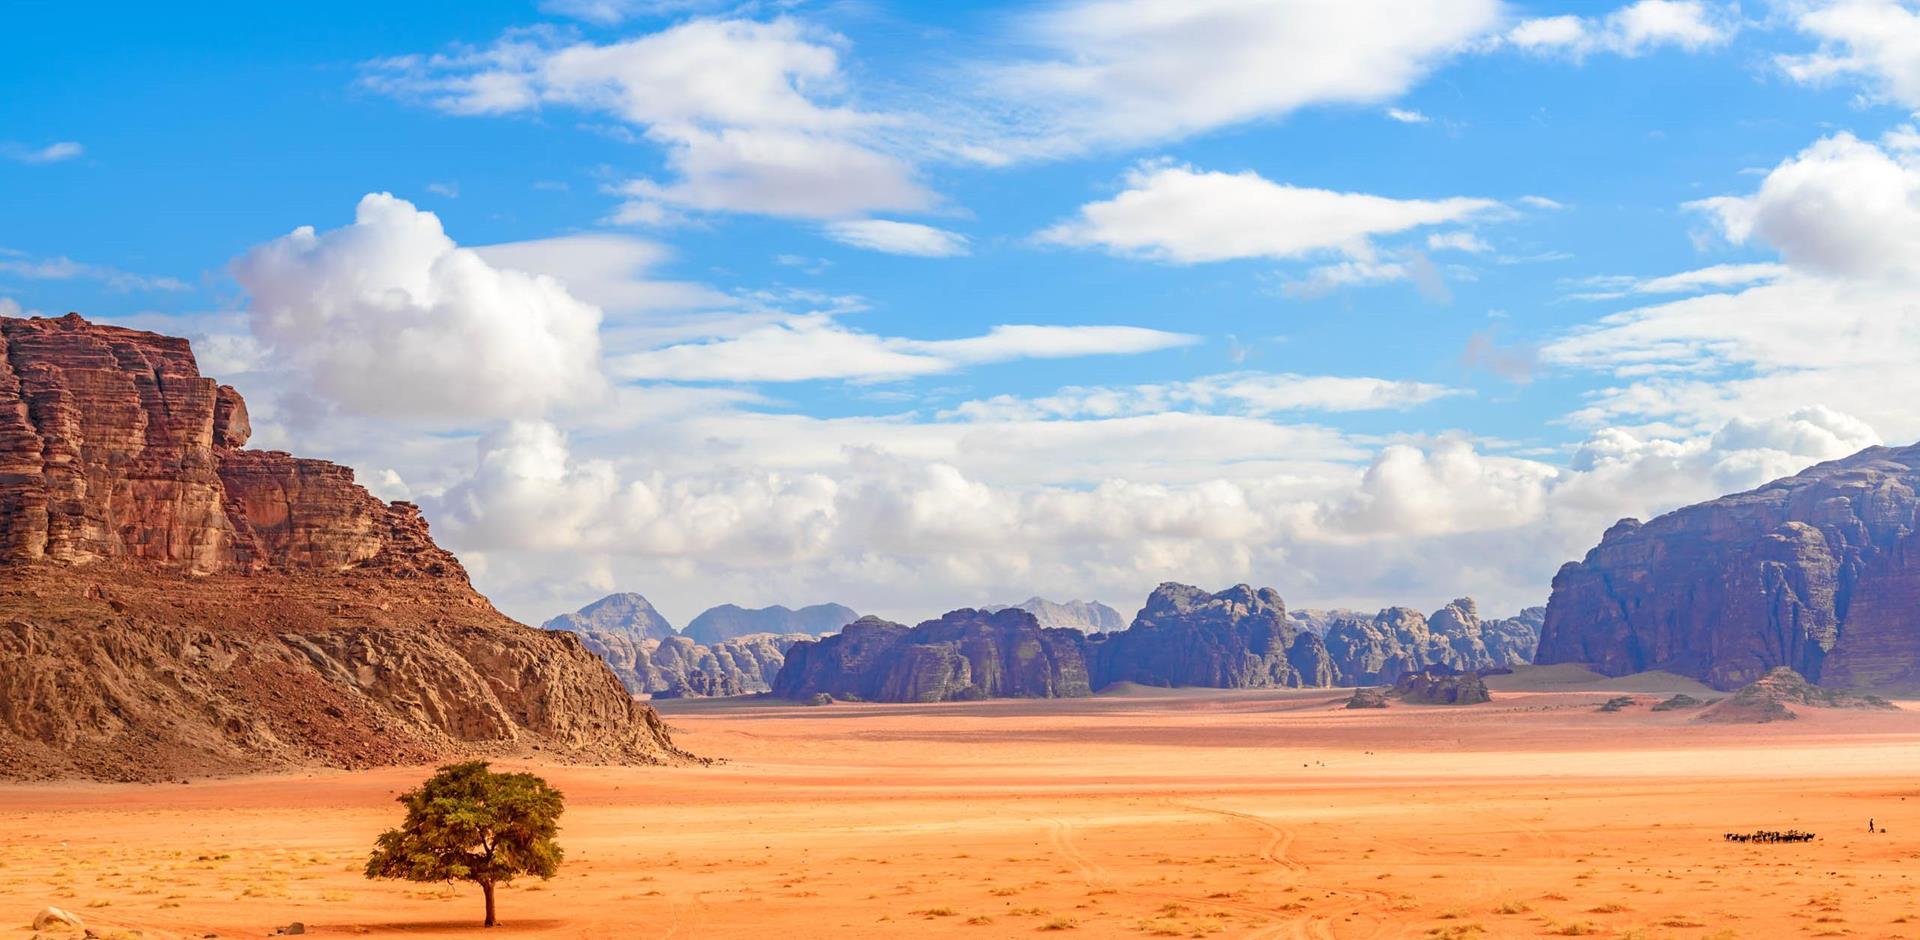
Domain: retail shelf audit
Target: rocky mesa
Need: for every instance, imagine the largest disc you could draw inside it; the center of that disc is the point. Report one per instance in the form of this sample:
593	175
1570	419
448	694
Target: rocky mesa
966	654
1818	572
172	603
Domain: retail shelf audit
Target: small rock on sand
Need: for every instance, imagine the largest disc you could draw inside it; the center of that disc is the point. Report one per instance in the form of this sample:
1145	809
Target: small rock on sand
53	918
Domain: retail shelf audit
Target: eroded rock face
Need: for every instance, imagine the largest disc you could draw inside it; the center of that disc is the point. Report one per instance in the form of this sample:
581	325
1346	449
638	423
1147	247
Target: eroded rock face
966	654
1239	638
171	603
1399	640
1818	572
114	447
727	621
677	667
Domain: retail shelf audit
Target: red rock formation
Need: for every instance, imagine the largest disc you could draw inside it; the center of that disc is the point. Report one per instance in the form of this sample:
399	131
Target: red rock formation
1815	572
170	602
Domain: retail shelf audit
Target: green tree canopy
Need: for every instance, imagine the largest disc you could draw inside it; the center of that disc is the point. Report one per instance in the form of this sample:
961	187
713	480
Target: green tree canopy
467	823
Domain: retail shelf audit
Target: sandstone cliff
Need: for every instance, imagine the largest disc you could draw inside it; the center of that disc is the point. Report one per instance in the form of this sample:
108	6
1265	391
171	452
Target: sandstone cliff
171	603
626	614
1818	572
728	621
966	654
1239	638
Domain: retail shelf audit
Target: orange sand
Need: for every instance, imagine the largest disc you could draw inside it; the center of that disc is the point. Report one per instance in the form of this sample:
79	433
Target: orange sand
1229	814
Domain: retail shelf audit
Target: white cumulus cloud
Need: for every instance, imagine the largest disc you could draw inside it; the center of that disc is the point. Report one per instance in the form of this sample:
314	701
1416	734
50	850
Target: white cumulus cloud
388	316
1875	41
747	112
1631	30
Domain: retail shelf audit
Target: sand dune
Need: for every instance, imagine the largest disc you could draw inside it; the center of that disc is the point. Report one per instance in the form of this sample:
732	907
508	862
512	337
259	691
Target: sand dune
1235	815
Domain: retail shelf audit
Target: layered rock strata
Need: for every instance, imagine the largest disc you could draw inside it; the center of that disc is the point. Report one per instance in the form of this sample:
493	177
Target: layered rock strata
172	603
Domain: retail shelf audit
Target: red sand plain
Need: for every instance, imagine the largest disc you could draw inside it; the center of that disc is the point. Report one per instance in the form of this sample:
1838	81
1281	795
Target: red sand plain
1146	813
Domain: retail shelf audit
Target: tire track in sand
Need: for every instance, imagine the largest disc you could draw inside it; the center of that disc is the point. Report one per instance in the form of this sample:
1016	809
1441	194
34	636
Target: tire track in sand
1061	836
1317	925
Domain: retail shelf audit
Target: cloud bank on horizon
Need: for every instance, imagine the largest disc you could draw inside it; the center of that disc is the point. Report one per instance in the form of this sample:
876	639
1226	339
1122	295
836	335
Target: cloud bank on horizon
908	307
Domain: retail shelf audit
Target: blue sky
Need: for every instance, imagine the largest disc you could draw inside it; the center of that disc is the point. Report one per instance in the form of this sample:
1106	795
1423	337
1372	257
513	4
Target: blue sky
913	305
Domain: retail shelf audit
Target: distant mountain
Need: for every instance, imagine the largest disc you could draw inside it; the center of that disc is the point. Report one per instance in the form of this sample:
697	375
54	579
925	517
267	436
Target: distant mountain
677	667
965	655
628	615
1085	616
1239	638
727	621
1381	648
1318	619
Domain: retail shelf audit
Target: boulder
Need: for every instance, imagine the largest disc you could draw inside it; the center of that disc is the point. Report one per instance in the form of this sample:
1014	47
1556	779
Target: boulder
1437	685
1676	703
53	918
1367	698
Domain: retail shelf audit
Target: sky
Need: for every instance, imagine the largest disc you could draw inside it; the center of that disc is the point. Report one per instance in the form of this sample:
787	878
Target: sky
911	306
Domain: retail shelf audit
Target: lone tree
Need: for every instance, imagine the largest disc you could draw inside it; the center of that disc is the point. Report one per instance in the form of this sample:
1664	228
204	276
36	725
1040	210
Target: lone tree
467	823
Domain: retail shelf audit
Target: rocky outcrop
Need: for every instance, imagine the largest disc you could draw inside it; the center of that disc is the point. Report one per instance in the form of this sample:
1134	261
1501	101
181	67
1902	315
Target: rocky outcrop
627	614
1084	616
966	654
1367	698
1818	572
1239	638
1437	685
171	603
1398	640
1769	699
677	667
1680	700
728	621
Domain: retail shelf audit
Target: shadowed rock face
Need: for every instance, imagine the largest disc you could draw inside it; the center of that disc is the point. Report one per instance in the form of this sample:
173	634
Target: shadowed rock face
1818	572
627	614
1239	638
728	621
171	603
966	654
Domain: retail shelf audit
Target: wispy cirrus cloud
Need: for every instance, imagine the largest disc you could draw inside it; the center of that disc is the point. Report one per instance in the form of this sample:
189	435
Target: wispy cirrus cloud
50	153
62	268
813	347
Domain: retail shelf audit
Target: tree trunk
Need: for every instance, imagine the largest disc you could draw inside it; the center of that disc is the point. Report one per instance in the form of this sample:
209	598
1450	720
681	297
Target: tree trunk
487	888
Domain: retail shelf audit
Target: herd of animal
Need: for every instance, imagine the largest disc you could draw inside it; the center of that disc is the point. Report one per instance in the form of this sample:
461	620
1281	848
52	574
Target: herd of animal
1768	835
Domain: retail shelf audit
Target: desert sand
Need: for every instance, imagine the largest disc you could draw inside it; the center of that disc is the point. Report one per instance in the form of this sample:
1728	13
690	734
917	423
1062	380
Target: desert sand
1142	813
